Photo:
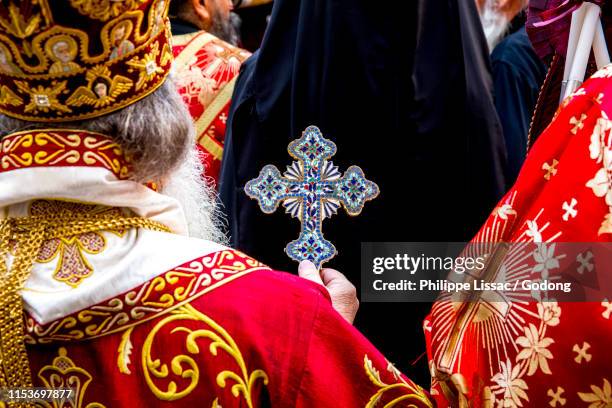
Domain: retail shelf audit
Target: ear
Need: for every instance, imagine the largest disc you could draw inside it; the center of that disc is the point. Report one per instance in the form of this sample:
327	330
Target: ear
480	4
511	7
201	12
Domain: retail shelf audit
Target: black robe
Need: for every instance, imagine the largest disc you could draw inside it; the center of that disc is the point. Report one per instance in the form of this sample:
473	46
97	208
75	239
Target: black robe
425	132
518	75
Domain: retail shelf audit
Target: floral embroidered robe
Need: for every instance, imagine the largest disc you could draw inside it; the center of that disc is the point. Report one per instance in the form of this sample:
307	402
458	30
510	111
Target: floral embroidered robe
548	353
206	69
141	318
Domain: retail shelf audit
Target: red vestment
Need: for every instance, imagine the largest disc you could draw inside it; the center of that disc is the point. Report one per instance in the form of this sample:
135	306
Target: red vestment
539	354
225	331
206	70
144	318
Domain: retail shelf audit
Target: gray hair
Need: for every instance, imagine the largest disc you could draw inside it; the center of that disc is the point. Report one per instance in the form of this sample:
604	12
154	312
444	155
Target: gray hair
155	132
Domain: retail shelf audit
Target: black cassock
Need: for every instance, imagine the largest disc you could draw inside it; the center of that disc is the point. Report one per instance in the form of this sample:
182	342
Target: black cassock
425	132
518	74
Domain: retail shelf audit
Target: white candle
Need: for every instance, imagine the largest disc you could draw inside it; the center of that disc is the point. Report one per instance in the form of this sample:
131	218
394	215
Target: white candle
572	43
583	49
574	35
600	49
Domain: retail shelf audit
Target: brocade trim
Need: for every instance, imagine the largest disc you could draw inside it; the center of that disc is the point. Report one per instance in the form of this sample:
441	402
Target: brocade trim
152	299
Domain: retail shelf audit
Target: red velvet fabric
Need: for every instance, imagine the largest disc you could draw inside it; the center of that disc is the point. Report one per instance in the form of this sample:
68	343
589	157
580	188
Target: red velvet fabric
261	339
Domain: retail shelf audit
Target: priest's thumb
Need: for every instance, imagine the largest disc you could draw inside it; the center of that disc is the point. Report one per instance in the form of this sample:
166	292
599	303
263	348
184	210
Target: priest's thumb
308	270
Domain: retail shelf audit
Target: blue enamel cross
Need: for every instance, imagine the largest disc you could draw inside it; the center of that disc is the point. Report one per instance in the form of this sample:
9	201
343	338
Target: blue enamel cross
311	189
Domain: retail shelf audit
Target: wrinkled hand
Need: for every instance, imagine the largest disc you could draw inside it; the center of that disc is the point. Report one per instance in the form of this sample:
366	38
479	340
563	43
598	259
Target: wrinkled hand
342	292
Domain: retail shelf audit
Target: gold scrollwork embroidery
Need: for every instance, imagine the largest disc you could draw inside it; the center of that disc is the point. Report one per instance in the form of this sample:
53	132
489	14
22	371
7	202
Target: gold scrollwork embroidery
105	9
153	299
24	26
49	147
64	373
78	46
125	351
46	65
409	392
7	65
8	97
186	367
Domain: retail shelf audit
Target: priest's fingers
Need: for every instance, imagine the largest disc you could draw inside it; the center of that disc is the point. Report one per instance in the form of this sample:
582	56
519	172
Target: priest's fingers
339	286
308	270
342	293
332	276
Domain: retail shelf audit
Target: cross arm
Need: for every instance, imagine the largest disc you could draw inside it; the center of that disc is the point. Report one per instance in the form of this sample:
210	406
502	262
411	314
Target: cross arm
269	188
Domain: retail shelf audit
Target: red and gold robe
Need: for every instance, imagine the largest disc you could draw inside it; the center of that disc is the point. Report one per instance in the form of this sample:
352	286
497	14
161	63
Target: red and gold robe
142	318
547	353
206	69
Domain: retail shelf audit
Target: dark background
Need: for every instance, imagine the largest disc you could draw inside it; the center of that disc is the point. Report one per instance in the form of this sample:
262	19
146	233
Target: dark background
405	93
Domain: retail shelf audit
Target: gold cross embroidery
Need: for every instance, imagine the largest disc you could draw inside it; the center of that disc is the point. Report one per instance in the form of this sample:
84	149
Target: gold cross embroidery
72	265
578	123
608	309
550	169
582	352
556	397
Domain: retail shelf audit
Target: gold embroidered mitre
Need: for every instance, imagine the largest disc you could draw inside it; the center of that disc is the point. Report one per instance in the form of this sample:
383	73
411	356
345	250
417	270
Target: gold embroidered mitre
66	60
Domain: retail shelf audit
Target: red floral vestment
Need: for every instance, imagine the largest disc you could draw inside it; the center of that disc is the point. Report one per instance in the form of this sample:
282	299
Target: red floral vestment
539	354
206	70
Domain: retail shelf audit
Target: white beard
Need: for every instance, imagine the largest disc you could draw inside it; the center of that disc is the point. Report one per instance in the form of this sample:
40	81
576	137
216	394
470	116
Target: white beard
198	199
494	24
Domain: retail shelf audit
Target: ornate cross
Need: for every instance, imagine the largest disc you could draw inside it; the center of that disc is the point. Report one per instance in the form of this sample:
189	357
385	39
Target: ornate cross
311	189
